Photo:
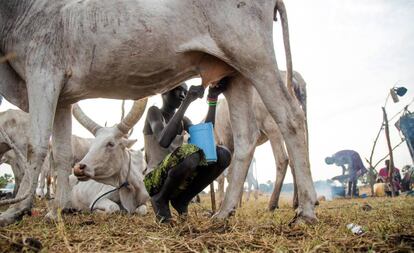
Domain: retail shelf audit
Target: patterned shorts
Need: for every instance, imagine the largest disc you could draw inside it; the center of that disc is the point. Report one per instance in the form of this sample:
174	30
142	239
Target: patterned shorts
155	179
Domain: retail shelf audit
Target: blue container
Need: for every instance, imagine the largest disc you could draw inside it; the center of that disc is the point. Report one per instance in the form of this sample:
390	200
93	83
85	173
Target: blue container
202	135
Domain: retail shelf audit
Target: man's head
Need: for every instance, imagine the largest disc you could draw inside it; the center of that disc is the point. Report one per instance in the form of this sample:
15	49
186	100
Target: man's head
387	163
329	160
175	97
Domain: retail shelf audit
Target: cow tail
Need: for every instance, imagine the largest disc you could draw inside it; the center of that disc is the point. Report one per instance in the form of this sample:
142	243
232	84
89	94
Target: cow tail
280	7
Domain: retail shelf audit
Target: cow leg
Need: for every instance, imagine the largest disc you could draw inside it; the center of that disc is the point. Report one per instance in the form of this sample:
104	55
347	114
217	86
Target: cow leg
245	134
105	206
62	157
290	118
281	160
43	90
295	190
42	180
220	189
48	185
18	173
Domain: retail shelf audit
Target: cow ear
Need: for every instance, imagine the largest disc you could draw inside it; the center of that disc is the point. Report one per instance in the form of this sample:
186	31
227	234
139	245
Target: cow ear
128	143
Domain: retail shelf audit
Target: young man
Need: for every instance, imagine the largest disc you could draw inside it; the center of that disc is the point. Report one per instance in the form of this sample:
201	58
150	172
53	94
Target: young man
178	171
383	175
355	166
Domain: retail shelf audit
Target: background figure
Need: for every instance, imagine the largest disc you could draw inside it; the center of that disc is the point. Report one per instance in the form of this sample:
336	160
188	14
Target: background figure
396	179
252	181
355	167
408	178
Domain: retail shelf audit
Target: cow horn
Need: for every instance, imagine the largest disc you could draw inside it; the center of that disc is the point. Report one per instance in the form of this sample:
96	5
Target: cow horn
84	120
133	116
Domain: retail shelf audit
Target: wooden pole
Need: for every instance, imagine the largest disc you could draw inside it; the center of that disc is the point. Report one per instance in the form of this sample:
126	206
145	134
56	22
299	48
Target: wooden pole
213	197
391	164
372	168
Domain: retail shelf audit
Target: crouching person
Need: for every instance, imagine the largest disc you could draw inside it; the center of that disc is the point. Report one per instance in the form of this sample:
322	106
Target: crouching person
178	171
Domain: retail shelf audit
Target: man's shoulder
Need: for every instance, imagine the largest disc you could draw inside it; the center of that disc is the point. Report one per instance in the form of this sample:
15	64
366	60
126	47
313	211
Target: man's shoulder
153	111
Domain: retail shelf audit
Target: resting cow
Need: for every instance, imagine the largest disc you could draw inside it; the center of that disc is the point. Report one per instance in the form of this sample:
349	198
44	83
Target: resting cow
68	50
85	193
109	160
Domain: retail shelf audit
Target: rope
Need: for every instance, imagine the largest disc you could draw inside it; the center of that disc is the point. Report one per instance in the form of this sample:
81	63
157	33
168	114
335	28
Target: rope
124	184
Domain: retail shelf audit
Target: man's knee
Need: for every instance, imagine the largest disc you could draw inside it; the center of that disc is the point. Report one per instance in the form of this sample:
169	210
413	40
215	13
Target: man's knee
223	157
185	166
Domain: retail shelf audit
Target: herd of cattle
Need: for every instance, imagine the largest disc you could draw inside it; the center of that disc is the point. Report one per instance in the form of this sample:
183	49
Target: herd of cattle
15	123
66	51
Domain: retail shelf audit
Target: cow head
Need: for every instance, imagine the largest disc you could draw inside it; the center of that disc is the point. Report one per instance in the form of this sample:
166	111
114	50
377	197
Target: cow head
106	156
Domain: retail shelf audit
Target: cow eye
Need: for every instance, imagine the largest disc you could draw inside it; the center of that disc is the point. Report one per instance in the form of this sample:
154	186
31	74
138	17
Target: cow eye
110	144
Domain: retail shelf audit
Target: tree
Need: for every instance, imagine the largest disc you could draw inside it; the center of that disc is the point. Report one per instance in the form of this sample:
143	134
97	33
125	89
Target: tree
6	178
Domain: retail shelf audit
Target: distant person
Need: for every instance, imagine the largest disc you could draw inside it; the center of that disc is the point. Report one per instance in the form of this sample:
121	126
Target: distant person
355	167
396	179
408	178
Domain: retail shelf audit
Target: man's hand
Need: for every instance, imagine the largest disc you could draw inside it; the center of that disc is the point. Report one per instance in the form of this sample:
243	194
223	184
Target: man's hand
195	92
214	92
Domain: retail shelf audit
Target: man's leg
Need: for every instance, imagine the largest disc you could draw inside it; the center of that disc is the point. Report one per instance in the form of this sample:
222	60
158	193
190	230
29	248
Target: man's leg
354	188
205	175
176	176
349	193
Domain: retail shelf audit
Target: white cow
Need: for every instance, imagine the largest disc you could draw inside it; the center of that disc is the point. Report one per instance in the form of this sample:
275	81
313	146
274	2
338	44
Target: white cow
85	193
15	124
68	50
109	152
268	130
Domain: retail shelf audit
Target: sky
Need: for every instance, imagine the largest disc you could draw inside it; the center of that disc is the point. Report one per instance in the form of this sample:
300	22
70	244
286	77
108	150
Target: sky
350	54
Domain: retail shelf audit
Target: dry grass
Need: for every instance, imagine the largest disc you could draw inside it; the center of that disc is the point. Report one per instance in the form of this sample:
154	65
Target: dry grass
389	227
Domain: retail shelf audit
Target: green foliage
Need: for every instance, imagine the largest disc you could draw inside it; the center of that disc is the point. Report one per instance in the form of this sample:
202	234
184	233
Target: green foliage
6	178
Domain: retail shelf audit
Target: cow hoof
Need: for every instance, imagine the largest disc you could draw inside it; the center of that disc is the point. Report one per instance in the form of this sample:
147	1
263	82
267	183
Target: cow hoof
302	219
113	209
141	210
273	208
222	215
51	216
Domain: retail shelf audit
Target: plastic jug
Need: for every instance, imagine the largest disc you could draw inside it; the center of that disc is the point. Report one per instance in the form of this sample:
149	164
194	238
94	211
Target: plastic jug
202	135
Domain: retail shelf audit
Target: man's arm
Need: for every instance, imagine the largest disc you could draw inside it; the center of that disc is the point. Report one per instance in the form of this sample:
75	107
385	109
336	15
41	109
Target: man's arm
212	97
343	169
154	122
170	131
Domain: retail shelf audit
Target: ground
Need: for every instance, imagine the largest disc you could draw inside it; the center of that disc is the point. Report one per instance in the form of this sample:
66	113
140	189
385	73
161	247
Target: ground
388	226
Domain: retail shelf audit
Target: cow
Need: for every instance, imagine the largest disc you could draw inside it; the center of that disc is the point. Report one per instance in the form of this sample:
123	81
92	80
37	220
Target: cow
66	51
15	124
268	131
80	147
92	194
109	161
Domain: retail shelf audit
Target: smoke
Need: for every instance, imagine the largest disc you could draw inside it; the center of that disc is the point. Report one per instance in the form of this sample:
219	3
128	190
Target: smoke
323	188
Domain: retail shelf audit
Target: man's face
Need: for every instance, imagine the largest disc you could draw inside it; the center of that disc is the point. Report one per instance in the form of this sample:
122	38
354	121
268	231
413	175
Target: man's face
175	97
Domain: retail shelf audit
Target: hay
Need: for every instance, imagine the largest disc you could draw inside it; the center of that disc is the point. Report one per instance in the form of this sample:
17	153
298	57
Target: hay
389	227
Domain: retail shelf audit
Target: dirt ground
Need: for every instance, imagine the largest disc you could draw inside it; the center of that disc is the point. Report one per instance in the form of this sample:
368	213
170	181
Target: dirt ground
388	226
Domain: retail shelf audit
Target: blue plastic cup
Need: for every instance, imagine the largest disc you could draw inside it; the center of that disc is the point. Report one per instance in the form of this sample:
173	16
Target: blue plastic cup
202	135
